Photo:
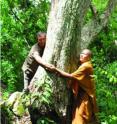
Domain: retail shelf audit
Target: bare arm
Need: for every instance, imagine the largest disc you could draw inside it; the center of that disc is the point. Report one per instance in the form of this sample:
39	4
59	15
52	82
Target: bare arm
42	62
64	74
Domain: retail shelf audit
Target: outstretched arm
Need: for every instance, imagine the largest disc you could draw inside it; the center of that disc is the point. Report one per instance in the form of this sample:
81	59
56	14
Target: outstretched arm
45	65
64	74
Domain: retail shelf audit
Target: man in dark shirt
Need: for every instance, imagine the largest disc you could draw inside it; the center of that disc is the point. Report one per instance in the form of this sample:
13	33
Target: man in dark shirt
34	59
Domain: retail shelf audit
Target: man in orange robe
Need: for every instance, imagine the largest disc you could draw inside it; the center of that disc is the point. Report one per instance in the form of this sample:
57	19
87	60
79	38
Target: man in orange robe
83	87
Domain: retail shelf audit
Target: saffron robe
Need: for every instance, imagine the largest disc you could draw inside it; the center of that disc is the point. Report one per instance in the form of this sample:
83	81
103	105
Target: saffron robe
83	88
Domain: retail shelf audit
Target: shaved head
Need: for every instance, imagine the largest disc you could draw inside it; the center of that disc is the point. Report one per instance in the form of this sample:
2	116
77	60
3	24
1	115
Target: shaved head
85	55
88	52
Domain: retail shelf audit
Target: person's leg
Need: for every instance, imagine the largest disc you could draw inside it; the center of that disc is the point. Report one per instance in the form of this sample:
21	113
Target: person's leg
82	112
26	81
78	118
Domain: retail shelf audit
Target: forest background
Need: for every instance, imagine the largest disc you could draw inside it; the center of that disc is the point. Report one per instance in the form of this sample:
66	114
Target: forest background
21	20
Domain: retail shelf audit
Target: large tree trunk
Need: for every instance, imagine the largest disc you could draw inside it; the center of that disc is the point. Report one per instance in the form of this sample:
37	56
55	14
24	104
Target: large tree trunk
66	37
63	46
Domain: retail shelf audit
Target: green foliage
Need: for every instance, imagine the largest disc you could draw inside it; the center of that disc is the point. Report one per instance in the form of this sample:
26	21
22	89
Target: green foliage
6	115
8	75
100	5
111	119
106	80
15	107
43	99
20	21
44	96
106	85
104	59
15	102
45	120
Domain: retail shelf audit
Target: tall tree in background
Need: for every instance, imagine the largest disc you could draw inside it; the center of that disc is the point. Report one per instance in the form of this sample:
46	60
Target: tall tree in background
67	35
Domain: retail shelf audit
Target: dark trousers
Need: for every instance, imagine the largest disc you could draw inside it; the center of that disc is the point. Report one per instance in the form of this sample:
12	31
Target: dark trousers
28	75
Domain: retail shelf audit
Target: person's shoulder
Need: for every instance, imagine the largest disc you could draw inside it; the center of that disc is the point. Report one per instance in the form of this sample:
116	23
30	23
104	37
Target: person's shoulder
35	47
87	64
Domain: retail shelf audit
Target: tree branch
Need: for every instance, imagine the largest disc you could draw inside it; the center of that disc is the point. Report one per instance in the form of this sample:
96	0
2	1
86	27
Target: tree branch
16	16
112	4
91	29
93	10
21	23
